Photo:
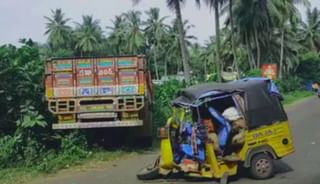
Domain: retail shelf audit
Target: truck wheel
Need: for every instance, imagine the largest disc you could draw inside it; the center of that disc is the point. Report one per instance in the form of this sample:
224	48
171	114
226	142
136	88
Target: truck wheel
262	166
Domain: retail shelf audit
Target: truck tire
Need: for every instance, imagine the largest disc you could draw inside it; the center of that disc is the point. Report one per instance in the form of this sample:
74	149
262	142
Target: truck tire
262	166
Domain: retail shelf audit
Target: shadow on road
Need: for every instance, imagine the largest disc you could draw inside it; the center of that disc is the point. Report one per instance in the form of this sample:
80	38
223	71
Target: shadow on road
282	167
117	138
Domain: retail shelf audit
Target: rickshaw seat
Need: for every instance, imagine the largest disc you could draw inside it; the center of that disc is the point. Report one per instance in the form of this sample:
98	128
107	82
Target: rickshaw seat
224	127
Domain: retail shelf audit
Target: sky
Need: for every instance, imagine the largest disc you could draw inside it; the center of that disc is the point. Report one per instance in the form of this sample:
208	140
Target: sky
25	18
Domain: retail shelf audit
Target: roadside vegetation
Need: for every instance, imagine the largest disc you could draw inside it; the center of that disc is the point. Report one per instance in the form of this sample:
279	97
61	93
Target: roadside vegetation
255	32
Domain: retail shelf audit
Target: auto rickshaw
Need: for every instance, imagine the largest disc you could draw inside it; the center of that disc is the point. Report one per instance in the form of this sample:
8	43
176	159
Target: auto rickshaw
198	140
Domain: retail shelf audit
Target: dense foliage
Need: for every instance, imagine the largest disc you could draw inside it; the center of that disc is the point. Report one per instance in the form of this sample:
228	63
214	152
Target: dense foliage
25	138
163	96
249	38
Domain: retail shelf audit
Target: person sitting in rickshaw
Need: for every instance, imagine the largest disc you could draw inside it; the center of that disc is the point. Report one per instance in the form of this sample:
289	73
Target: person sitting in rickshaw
238	125
232	127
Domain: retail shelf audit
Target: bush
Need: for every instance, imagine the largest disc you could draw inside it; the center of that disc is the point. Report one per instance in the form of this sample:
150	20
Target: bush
31	151
290	84
163	95
74	144
296	95
73	150
9	152
308	68
254	73
19	150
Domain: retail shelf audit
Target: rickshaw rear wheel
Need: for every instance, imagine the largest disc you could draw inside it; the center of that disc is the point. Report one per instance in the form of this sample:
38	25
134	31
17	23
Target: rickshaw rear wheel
262	166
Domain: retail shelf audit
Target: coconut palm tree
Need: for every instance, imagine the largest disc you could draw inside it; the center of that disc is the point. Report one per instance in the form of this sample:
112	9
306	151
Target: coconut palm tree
208	58
310	31
215	5
287	14
88	35
291	48
172	51
135	37
155	32
232	34
57	29
188	38
175	5
254	26
117	37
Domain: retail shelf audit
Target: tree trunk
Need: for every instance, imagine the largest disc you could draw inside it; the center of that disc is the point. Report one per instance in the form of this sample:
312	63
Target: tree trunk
166	67
281	53
217	23
248	47
183	47
205	70
155	62
258	48
234	52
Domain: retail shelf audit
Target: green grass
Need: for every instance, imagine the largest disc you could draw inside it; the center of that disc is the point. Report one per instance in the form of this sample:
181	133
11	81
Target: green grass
24	175
292	97
17	175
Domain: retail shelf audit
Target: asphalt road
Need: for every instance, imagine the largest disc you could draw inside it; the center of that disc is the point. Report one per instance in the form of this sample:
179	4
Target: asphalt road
302	167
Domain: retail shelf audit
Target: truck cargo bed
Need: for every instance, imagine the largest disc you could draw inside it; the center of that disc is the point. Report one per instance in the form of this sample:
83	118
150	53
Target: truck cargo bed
98	92
90	77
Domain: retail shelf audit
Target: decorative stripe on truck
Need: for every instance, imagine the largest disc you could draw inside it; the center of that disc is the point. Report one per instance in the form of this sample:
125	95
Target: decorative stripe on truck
98	124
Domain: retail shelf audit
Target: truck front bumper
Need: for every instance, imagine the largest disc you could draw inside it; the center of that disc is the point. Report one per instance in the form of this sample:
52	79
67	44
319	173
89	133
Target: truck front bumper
105	124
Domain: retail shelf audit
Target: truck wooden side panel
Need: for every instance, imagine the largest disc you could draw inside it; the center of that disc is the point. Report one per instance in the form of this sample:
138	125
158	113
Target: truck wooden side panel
89	77
97	92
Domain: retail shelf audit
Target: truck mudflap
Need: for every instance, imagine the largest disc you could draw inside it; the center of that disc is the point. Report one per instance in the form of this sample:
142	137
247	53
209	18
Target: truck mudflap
105	124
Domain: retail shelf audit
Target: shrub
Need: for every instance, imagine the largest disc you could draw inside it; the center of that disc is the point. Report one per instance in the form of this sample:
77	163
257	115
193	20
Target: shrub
163	95
290	84
74	144
72	151
9	151
254	73
308	68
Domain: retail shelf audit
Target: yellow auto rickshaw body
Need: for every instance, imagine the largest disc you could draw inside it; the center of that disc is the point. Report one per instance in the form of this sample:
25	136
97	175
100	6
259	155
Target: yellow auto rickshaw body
265	135
274	140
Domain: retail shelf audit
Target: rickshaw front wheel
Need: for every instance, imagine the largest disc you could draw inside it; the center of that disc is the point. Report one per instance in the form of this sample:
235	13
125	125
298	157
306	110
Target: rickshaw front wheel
262	166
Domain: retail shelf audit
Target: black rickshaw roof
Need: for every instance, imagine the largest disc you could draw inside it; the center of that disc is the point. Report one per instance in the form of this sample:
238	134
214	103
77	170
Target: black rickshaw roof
192	94
262	98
